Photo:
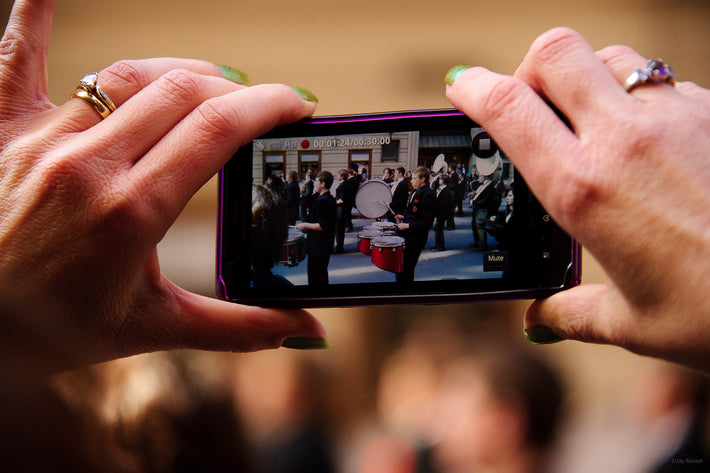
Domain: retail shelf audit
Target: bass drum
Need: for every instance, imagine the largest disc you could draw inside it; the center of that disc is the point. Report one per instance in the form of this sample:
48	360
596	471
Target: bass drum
388	253
373	198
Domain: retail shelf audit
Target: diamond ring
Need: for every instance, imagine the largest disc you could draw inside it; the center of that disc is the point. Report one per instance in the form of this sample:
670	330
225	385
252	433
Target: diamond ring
90	91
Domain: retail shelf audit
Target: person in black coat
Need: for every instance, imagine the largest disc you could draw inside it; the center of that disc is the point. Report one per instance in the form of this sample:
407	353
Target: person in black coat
293	197
443	210
416	222
501	224
307	196
400	193
345	199
484	202
458	186
320	232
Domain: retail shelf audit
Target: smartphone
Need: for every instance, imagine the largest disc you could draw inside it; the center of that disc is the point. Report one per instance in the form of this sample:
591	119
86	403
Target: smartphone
289	236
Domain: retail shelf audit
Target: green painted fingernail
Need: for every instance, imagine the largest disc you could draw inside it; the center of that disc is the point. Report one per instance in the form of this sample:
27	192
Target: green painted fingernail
541	335
305	343
454	72
235	75
306	94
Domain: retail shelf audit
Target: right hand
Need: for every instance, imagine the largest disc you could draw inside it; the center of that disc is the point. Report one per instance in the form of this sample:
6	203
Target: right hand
630	180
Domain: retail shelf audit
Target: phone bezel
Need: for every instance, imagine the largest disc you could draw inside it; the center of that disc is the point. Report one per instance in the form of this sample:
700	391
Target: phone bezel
558	272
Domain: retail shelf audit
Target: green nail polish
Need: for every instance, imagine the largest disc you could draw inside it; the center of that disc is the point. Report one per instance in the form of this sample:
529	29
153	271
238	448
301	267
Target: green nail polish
454	72
305	343
305	94
235	75
541	335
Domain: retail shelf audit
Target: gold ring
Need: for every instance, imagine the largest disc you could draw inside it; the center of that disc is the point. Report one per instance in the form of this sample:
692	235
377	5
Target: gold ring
90	91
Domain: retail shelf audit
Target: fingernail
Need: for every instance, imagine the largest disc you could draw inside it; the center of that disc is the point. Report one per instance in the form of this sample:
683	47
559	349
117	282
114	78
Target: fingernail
306	94
541	335
305	343
235	75
454	72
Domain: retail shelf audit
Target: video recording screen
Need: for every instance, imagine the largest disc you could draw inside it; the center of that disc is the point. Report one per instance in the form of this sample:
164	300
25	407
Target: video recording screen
383	207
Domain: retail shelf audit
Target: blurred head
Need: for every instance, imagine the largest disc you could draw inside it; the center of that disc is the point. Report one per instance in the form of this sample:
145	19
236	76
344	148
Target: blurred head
493	406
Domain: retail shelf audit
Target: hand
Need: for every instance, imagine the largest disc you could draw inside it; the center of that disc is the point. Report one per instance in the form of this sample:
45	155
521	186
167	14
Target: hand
84	201
402	226
629	180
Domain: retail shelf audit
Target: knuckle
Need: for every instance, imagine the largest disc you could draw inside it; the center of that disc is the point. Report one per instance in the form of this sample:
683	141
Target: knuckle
611	54
215	122
503	99
554	44
179	85
10	45
125	74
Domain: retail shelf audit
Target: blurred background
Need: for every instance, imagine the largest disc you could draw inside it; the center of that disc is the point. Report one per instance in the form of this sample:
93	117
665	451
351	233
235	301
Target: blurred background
405	389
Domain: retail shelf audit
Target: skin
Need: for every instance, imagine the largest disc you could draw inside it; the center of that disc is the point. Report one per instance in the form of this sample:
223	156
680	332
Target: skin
629	180
84	201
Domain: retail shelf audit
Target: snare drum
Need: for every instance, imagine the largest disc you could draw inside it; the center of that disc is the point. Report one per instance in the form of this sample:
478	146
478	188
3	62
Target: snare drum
365	240
386	227
388	253
293	251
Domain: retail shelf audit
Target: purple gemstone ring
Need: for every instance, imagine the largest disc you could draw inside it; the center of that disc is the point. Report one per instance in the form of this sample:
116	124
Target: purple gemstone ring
654	72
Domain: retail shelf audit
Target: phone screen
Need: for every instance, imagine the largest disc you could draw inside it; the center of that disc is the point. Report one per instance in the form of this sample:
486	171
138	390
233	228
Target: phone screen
389	208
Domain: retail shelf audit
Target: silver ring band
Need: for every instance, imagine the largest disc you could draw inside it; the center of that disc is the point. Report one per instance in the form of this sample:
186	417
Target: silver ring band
654	72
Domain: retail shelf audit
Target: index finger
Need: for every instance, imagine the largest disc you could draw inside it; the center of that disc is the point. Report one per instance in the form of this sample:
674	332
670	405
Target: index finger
124	79
23	49
522	124
564	68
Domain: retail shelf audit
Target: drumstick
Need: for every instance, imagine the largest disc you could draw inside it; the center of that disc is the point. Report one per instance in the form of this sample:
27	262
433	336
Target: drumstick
386	205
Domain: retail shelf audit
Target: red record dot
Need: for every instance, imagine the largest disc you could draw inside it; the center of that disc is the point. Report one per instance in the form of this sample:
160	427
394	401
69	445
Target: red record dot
305	144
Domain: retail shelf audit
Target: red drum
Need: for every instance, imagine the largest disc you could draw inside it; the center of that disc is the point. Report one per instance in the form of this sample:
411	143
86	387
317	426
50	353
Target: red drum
388	253
365	240
293	251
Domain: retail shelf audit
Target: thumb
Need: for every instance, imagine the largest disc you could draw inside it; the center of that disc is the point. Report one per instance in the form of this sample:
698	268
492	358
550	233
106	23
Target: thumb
23	50
211	324
581	313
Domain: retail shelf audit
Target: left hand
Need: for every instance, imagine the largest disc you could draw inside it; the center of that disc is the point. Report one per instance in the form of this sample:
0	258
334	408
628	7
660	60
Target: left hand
84	201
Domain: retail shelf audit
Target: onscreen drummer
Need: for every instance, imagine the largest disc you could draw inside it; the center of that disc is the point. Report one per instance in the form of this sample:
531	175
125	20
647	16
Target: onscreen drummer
416	222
